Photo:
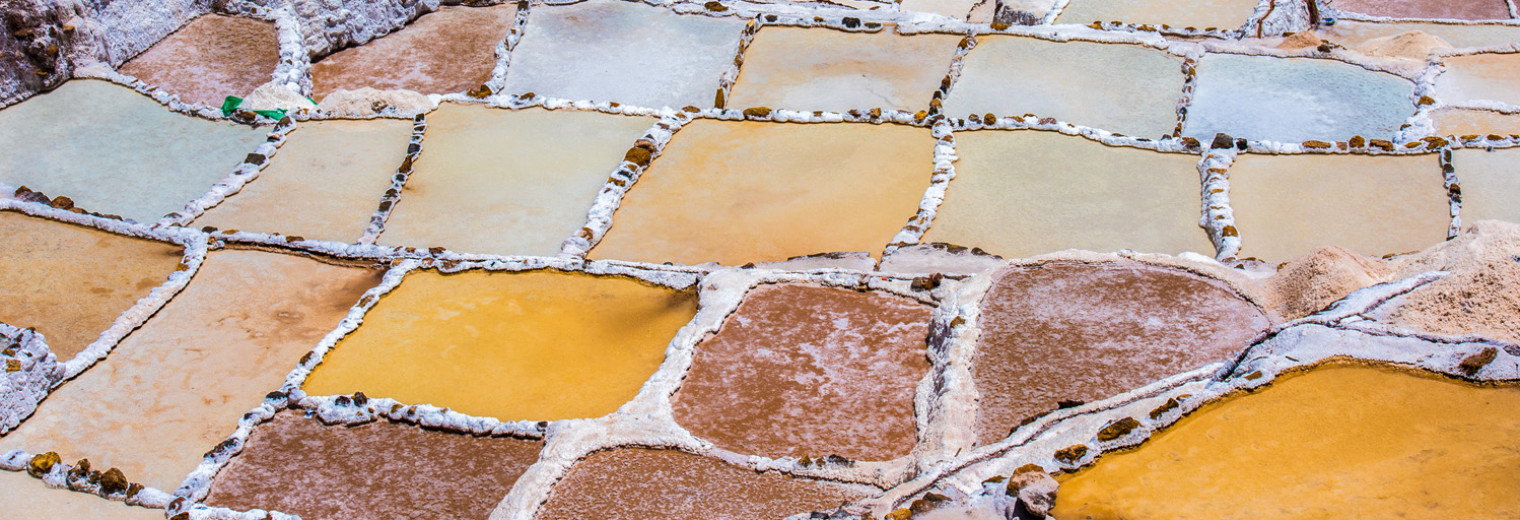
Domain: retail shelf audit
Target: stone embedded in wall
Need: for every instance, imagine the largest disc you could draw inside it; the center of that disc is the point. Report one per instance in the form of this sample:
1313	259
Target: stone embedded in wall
803	370
296	465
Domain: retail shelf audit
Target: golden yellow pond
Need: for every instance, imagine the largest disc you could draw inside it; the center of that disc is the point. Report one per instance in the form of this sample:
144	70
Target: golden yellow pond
1335	442
539	345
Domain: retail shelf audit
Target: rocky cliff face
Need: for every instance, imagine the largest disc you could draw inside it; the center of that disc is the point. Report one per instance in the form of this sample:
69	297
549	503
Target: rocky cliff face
43	41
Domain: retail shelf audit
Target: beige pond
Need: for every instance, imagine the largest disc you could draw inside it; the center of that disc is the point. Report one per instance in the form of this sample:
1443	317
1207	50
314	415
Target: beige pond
1220	14
323	185
1490	184
822	69
1126	89
72	282
538	345
737	192
508	182
1288	205
452	49
27	498
1459	122
177	386
1023	193
1492	77
1335	442
643	484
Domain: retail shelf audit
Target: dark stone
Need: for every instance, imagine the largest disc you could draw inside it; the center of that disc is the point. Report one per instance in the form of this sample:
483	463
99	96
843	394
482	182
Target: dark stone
1472	364
113	481
1118	429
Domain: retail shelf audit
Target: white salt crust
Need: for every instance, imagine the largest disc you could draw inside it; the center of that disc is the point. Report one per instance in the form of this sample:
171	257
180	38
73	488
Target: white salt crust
934	195
504	49
392	195
599	217
1218	217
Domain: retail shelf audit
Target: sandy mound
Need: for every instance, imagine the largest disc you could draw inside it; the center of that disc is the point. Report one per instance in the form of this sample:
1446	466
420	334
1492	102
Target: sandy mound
274	96
1482	294
369	101
1413	44
1300	40
1314	281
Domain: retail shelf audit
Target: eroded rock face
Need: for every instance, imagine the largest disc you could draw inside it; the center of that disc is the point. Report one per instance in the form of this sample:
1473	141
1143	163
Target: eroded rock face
45	40
1084	332
294	464
1335	442
643	484
803	370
